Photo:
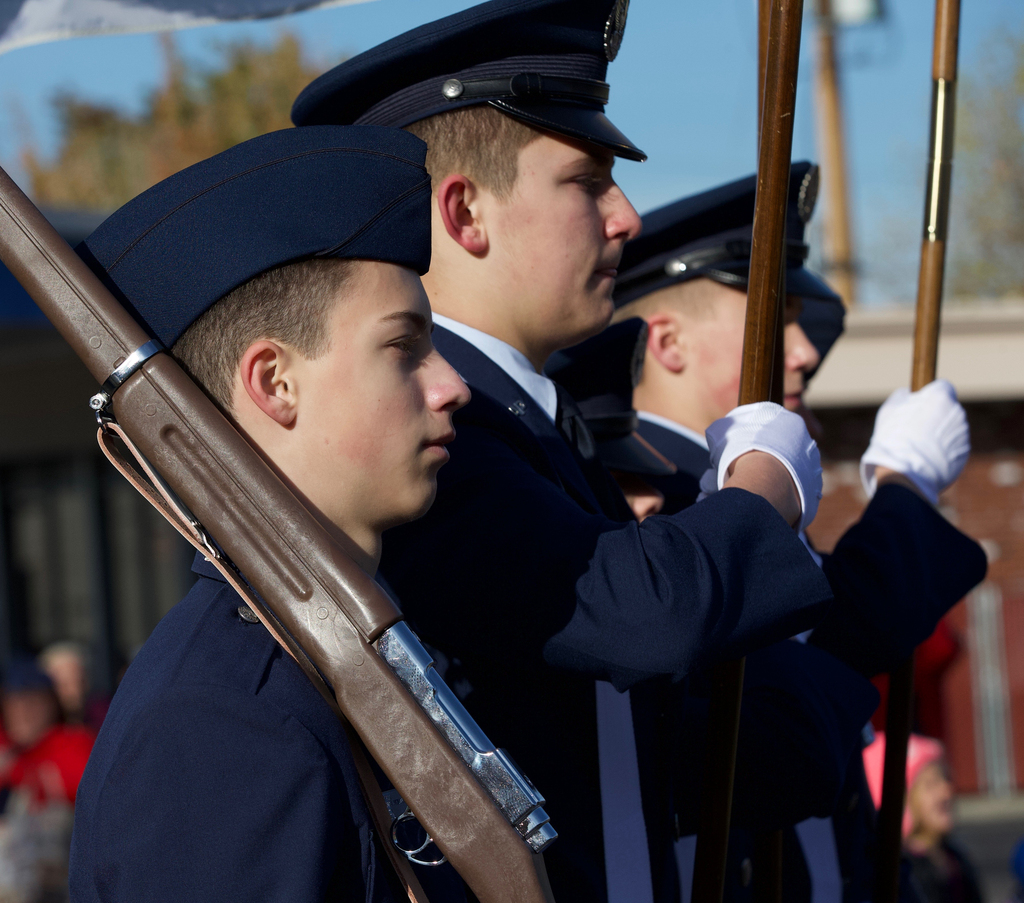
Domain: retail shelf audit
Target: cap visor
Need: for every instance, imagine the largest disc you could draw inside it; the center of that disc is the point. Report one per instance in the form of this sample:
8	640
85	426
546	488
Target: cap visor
582	123
801	281
633	454
822	322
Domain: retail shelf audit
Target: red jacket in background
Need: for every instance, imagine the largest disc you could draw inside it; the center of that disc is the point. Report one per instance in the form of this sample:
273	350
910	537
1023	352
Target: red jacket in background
50	770
931	661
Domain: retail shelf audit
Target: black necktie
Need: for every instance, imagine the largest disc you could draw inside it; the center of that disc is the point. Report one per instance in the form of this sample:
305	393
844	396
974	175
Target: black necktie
572	426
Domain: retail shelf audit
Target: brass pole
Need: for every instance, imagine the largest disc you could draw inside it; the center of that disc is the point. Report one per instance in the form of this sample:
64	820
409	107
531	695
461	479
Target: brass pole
765	297
926	347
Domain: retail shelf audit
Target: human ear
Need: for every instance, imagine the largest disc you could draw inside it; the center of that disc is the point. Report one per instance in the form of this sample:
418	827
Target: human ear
666	341
456	202
268	382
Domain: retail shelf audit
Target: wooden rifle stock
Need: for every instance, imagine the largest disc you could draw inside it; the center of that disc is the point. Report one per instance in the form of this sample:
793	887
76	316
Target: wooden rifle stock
926	349
330	610
761	341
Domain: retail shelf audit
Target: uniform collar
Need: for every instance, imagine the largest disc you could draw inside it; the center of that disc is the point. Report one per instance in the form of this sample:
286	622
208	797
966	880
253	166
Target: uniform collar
684	431
511	360
202	566
487	378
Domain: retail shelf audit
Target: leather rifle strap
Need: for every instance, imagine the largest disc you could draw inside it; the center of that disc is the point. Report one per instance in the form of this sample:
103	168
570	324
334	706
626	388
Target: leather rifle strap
151	487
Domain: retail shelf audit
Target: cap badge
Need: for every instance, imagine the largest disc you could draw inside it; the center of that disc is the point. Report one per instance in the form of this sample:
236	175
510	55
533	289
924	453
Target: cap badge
807	195
614	29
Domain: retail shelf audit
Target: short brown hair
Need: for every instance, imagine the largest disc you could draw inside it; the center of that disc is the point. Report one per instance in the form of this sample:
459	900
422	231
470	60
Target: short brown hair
480	142
290	304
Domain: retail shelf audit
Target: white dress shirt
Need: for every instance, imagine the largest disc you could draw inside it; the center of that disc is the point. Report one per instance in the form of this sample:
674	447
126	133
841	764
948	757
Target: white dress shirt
684	431
511	360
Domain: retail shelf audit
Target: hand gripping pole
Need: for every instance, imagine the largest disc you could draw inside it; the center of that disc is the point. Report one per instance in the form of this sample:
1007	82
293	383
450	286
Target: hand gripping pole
926	349
761	338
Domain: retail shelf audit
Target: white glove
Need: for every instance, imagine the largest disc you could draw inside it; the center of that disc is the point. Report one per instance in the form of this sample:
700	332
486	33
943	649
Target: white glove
922	435
769	428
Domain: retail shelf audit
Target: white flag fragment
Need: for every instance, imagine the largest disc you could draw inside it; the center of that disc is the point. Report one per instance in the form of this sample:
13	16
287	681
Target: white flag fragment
24	22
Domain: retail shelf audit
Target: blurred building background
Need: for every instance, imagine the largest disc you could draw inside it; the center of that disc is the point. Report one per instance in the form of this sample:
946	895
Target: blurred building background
82	556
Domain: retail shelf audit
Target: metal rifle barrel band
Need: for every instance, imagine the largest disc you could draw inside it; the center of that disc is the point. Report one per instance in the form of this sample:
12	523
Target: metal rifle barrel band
127	368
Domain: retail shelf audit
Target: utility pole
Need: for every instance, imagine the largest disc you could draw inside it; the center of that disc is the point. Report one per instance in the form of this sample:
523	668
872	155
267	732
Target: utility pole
839	267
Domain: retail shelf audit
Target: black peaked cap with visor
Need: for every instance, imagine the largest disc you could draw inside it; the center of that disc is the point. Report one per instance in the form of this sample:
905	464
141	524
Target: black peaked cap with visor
540	61
709	235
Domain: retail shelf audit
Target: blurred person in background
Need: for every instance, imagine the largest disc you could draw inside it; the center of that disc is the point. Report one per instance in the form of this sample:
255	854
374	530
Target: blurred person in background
46	757
40	769
67	664
940	869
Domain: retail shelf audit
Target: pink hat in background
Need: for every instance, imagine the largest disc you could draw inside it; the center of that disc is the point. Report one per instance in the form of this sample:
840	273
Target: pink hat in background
921	751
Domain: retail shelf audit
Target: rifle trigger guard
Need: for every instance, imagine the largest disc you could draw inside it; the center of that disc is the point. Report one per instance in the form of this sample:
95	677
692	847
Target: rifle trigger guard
403	816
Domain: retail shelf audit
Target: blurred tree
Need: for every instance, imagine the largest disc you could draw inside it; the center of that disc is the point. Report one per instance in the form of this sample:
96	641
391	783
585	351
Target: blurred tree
987	220
106	157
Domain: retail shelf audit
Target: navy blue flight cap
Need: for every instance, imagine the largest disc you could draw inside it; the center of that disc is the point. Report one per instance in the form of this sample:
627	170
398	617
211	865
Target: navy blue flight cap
540	61
325	192
600	374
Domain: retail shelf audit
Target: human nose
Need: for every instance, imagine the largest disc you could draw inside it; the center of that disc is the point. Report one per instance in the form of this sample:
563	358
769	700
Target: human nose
447	391
621	220
646	500
648	505
800	353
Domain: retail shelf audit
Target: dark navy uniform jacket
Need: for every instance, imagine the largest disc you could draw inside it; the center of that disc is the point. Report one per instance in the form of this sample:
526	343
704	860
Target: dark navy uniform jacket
534	581
893	574
220	774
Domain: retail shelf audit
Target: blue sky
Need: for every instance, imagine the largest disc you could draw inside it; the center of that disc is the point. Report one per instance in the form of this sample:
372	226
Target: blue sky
683	89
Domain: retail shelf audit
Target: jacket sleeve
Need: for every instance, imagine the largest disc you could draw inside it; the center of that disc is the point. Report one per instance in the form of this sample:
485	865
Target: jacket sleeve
801	722
508	564
215	796
895	573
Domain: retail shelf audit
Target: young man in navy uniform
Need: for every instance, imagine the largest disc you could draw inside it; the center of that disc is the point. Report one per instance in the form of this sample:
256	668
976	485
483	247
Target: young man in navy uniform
803	709
898	570
530	574
282	274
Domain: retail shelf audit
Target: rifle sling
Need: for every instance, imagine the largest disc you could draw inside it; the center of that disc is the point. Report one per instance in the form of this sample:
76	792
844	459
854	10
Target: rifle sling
152	488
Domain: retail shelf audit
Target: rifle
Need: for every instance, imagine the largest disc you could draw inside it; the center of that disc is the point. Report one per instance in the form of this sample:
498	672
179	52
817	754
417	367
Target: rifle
346	634
762	338
926	351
